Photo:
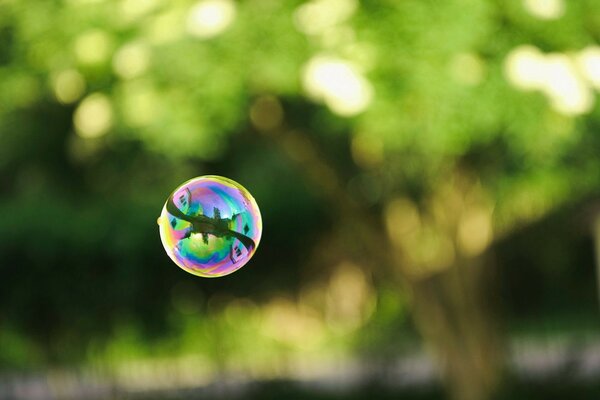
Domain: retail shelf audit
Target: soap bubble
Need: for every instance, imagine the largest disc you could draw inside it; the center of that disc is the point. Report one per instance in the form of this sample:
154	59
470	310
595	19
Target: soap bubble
210	226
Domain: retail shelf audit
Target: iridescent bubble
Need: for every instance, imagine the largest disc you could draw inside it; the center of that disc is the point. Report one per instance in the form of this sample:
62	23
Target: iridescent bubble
210	226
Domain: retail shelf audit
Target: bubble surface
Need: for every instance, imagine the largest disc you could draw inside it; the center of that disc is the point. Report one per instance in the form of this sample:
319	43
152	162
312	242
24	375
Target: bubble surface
210	226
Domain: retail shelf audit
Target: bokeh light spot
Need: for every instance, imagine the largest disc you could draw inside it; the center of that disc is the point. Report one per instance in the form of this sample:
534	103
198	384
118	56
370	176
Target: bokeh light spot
94	116
133	9
568	93
349	298
131	60
367	151
545	9
292	324
467	68
524	67
141	103
555	74
402	218
474	231
93	47
68	86
339	84
588	61
315	17
266	113
209	18
167	26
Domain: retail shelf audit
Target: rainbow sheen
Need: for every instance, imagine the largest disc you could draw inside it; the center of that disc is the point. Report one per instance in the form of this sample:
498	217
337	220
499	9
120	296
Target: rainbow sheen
210	226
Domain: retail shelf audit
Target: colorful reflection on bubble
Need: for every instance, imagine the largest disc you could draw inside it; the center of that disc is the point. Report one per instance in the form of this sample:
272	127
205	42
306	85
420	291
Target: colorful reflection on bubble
210	226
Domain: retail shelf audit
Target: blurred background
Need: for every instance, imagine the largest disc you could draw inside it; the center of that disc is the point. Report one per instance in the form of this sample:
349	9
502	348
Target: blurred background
428	174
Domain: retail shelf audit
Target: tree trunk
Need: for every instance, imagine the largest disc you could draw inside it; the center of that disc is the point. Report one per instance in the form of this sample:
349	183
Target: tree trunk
450	308
452	313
